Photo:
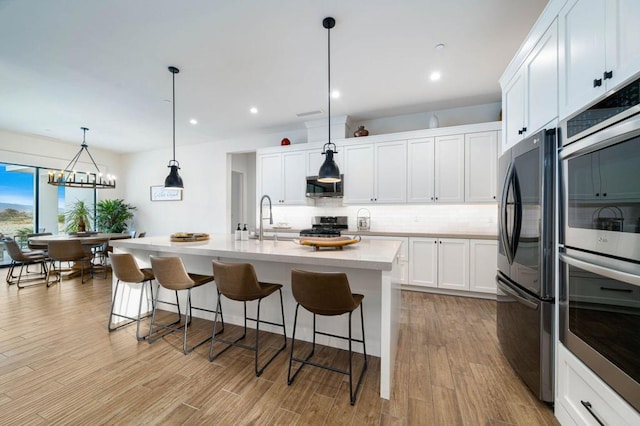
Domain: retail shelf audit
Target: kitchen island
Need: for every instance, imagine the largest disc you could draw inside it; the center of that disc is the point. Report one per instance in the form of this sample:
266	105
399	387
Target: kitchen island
370	267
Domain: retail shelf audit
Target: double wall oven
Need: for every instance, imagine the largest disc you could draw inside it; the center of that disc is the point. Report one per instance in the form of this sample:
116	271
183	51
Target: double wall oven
599	249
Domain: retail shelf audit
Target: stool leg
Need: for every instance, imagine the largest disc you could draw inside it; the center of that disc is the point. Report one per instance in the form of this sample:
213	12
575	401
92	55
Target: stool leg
293	341
284	330
255	360
113	304
352	399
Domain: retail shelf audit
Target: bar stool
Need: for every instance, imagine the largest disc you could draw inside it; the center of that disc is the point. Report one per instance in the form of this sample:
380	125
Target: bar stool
18	257
170	273
126	269
327	294
68	251
238	281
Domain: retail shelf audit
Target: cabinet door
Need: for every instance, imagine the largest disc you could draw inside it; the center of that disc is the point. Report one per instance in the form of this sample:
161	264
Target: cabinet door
483	261
294	180
481	159
391	172
315	160
449	168
623	40
359	174
582	53
542	81
423	262
514	109
453	264
270	177
420	173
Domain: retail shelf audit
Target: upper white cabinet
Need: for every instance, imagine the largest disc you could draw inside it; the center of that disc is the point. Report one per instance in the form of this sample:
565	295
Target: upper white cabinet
283	177
436	169
480	160
375	173
449	169
530	98
599	48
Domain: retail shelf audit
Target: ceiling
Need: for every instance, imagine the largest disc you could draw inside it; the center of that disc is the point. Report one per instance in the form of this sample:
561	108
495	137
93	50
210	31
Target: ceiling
103	64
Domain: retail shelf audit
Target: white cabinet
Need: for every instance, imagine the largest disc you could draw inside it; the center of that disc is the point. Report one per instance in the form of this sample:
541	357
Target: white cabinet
401	275
530	98
421	158
436	169
439	262
423	262
579	387
375	173
483	261
600	48
283	177
480	160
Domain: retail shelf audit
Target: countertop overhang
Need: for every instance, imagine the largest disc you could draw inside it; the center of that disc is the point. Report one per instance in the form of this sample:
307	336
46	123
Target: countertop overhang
367	254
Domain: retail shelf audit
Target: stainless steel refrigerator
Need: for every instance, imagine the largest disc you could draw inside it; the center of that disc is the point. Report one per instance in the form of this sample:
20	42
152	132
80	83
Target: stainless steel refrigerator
525	279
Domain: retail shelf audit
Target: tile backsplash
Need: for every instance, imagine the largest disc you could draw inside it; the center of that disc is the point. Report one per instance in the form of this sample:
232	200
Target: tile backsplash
462	218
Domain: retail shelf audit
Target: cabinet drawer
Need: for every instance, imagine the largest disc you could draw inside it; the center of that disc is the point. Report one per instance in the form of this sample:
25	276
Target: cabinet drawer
578	387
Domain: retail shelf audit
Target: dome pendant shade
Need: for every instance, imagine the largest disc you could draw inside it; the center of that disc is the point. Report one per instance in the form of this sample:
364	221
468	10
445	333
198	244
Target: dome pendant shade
173	180
329	171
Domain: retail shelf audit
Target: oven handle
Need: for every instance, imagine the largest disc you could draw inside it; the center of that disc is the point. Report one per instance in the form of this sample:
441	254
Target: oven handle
601	270
504	286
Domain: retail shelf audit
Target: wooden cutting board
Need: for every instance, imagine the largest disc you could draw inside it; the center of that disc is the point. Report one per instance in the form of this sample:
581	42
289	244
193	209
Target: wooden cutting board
332	242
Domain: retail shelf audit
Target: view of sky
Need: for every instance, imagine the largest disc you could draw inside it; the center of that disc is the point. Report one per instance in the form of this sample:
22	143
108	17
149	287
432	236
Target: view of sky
16	186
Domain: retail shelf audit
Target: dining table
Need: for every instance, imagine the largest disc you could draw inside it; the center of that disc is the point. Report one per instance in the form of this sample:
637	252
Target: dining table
89	241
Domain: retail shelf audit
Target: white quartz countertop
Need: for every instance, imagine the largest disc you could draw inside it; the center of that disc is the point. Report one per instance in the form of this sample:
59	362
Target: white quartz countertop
367	254
464	234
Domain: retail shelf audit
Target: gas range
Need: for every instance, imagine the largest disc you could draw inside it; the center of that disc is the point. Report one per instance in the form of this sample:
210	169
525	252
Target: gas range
326	227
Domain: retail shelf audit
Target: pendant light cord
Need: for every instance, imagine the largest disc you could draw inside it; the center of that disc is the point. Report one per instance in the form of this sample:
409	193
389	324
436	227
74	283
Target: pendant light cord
174	115
329	79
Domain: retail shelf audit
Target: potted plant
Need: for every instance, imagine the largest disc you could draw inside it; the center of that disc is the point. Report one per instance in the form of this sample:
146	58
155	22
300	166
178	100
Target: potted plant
78	217
112	216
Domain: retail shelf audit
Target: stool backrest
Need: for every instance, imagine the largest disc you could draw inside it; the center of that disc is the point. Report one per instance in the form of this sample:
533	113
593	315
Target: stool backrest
64	250
323	293
170	273
125	268
237	281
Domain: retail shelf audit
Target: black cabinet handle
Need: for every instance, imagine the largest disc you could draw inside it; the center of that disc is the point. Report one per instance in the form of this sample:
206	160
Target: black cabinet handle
436	198
620	290
597	82
597	194
604	194
608	75
432	198
587	405
494	197
524	129
520	131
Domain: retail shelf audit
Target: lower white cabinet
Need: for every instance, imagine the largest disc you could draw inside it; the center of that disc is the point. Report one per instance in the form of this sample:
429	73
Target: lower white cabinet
401	276
583	399
483	264
439	263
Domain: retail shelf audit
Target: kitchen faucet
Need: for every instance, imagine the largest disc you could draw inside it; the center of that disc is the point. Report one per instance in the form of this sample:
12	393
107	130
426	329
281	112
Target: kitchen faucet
261	232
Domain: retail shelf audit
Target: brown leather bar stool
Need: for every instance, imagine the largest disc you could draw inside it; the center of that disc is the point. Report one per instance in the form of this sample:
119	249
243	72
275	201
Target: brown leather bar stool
238	281
170	273
327	294
68	251
24	259
126	269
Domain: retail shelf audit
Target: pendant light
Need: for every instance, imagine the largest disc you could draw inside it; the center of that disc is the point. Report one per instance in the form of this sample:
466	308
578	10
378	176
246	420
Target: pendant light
329	171
71	178
174	180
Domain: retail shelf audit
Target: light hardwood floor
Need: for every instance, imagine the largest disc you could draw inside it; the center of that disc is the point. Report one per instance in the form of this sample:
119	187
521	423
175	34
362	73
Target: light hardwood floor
59	365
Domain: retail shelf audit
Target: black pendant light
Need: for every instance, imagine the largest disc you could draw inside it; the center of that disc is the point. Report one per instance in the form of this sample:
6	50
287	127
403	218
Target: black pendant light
329	171
174	180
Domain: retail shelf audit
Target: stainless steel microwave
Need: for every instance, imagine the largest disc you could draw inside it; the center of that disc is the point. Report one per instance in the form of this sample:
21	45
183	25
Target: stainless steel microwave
316	189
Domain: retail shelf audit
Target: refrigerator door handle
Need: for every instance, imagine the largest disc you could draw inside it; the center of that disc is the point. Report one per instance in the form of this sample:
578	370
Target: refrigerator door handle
521	298
517	223
504	216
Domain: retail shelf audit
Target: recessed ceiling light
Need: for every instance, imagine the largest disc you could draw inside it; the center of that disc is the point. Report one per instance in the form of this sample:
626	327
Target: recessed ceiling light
439	46
435	76
335	94
193	121
253	110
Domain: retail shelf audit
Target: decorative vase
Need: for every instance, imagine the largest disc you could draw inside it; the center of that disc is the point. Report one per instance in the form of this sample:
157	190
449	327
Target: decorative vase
361	132
285	141
433	122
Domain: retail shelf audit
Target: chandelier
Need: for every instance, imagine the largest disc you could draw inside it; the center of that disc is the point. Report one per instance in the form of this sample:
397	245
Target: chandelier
72	178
